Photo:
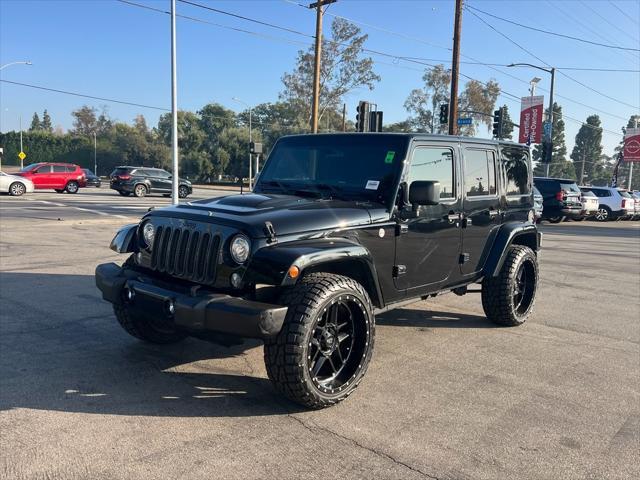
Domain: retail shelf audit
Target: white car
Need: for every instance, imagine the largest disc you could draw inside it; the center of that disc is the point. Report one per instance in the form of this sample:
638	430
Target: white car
614	203
15	185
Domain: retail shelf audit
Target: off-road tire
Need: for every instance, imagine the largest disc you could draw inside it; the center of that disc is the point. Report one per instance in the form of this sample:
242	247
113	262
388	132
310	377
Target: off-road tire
140	190
286	356
498	293
72	187
17	189
144	329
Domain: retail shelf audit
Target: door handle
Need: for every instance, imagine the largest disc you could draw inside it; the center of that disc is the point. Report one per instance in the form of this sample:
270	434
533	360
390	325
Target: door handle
453	217
493	213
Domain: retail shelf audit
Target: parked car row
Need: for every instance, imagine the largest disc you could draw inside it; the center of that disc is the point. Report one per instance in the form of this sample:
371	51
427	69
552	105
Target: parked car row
563	199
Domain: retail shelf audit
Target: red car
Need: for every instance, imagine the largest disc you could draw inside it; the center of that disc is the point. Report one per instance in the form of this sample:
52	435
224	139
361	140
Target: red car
62	177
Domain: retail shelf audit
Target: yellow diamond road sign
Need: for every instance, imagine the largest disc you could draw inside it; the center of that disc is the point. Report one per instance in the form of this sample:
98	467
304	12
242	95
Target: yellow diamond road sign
22	155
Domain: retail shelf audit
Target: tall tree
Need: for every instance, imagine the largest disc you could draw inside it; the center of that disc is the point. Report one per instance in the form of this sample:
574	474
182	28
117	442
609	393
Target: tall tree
46	122
507	124
36	126
343	68
424	102
84	122
588	149
478	101
560	166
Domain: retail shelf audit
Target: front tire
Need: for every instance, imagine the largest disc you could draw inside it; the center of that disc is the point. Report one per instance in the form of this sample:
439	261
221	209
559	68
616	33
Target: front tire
509	298
326	342
145	329
183	192
17	189
72	187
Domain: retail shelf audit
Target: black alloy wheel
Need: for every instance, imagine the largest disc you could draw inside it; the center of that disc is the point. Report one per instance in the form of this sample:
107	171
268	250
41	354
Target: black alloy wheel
183	191
17	189
326	342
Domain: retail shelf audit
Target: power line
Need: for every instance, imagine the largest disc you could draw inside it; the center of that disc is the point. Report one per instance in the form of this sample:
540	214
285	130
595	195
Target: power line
634	20
541	60
93	97
549	32
606	20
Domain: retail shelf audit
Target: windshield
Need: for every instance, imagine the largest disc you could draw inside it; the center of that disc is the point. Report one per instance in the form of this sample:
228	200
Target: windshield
570	187
30	167
352	166
625	194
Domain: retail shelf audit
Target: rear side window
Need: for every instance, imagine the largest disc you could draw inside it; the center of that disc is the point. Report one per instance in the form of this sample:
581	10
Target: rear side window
70	168
479	172
515	165
44	169
436	164
624	194
59	169
601	192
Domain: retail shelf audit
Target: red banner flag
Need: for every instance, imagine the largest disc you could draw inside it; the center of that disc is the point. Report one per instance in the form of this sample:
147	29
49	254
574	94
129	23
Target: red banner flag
531	113
632	145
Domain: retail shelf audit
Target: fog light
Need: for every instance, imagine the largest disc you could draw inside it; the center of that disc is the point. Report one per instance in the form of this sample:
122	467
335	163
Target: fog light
236	280
170	307
129	294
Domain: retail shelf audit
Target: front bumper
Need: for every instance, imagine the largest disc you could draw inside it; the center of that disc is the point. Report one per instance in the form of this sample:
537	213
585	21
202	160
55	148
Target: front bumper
191	311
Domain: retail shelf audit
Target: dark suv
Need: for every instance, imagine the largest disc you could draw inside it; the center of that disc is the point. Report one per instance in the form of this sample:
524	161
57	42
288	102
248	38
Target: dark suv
141	181
561	199
338	228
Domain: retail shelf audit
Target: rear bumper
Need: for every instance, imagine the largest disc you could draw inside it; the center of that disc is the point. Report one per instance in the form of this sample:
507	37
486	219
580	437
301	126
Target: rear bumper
191	311
121	187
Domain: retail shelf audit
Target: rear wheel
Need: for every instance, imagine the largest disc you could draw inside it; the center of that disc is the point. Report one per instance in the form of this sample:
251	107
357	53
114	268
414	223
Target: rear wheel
17	189
508	298
603	214
140	190
326	342
72	187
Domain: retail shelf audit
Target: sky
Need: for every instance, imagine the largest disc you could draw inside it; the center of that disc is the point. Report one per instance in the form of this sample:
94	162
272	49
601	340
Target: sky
110	49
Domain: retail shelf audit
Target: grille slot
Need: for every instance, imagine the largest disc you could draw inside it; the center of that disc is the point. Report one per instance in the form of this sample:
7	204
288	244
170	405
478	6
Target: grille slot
184	253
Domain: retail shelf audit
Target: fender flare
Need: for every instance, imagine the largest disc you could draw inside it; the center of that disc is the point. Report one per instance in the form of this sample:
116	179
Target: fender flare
511	234
270	265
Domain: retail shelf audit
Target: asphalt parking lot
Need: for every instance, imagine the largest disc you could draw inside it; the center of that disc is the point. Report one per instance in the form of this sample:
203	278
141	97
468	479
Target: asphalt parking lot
447	396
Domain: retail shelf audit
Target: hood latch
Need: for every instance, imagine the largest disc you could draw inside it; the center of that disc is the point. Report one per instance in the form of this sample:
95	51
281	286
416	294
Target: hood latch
270	232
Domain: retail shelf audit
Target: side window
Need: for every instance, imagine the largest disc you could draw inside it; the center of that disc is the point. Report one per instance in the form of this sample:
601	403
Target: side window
70	169
431	163
139	172
44	169
59	169
515	164
479	172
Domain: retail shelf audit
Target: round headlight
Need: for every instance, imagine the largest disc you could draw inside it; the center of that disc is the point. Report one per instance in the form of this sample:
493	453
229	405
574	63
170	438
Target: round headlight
148	233
240	248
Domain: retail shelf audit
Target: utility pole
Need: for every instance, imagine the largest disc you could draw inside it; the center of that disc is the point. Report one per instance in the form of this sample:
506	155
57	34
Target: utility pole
95	154
21	150
174	108
550	148
455	65
317	60
344	117
630	186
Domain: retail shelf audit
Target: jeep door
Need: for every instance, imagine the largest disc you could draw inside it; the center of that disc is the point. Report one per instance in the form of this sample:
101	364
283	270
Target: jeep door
41	177
481	206
428	246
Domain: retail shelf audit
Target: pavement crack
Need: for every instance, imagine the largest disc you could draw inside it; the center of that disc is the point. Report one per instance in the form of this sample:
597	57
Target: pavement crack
379	453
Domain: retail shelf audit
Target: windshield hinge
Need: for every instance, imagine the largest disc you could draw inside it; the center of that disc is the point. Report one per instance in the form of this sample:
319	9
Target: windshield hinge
270	232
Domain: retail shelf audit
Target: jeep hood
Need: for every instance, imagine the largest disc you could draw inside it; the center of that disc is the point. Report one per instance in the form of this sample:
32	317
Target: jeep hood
289	214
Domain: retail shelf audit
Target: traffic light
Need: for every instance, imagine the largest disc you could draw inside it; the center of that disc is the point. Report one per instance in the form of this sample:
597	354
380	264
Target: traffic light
375	121
498	121
546	152
444	113
362	117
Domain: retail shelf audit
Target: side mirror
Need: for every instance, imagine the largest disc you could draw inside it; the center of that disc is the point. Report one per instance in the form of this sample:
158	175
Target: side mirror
424	192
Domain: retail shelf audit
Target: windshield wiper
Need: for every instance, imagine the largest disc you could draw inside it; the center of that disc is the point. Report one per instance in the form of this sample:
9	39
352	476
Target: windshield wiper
273	183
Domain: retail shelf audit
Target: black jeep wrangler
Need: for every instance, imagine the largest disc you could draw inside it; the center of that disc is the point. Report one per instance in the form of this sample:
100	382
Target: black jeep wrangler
338	228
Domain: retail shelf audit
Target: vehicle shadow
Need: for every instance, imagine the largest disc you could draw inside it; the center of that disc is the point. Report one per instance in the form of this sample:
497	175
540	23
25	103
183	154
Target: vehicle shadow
61	349
408	317
592	229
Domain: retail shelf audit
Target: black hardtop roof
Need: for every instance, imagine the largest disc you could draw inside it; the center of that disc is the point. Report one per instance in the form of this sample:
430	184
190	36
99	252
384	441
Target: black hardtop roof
566	180
420	136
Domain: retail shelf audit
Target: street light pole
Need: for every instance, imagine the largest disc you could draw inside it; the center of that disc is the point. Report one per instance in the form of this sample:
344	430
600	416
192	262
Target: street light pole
21	150
174	108
250	138
24	62
95	154
552	72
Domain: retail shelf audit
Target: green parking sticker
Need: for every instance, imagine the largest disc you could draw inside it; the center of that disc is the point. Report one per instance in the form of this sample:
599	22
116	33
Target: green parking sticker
389	158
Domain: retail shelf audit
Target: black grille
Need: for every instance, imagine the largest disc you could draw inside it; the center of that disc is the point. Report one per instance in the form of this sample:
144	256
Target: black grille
185	253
